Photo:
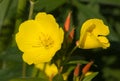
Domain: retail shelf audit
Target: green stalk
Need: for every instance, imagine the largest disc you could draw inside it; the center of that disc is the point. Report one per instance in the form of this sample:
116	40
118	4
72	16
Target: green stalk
24	70
76	78
34	72
72	50
81	77
31	9
69	55
30	17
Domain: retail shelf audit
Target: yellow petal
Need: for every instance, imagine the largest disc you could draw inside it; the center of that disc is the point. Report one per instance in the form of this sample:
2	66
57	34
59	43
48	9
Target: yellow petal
42	16
104	41
27	35
106	45
65	76
88	73
100	27
61	35
38	56
50	69
41	66
91	42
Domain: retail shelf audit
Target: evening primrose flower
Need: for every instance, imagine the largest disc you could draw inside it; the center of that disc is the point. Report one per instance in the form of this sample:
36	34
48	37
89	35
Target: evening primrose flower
93	34
50	69
39	39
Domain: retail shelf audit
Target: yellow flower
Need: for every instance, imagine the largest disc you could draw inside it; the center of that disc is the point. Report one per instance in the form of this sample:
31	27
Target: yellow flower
50	69
65	76
39	39
93	34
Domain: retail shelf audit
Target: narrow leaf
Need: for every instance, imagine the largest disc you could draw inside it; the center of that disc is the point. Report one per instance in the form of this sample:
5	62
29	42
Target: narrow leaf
90	77
4	5
29	79
58	78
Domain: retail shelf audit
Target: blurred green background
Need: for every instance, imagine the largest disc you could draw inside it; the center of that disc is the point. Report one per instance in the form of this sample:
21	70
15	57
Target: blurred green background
13	12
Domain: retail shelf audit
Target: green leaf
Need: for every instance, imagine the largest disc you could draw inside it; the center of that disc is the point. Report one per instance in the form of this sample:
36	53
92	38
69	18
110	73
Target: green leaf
29	79
108	2
111	74
90	77
89	11
10	71
42	75
48	5
118	27
58	78
78	61
8	11
11	54
4	5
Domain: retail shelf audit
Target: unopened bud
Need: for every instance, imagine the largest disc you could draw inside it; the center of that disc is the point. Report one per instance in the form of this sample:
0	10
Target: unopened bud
67	22
71	35
76	70
87	67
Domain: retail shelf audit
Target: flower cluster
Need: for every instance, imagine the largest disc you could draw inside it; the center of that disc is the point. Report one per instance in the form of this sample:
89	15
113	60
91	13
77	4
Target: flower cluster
41	38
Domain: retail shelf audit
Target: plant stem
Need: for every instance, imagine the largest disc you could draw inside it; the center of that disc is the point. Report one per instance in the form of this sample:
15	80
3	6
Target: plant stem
76	78
31	9
67	59
24	70
35	72
30	17
81	77
72	50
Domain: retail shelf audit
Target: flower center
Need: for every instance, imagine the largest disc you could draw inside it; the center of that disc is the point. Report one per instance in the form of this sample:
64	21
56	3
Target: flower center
46	41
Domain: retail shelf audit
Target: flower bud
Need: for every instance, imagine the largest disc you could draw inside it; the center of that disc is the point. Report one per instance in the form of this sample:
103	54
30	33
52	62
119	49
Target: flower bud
76	70
67	22
87	67
71	35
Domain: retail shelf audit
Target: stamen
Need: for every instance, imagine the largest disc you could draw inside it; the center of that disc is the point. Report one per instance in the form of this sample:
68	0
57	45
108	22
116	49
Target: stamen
46	41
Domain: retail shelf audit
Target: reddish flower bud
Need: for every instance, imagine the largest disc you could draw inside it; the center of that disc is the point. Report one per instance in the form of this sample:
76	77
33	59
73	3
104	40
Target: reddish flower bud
87	67
76	70
71	35
67	22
